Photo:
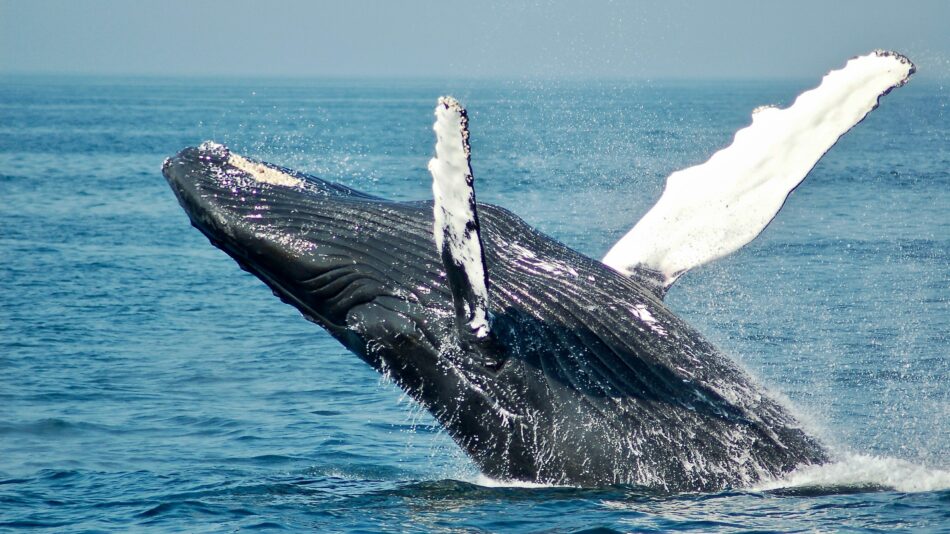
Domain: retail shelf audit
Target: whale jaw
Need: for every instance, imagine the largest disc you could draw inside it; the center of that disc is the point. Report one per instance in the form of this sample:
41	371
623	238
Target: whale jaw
282	228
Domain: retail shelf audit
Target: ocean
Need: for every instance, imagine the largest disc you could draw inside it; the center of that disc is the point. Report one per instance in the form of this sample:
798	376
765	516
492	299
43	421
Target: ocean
148	384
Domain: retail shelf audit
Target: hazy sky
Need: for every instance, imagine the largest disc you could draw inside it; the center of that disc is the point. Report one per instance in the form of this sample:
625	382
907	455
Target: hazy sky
481	39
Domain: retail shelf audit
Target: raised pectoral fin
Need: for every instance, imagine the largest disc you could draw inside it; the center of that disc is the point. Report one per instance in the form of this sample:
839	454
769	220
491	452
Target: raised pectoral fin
713	209
456	229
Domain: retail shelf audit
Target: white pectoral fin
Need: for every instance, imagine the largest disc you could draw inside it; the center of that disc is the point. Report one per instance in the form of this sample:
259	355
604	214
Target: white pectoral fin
713	209
456	228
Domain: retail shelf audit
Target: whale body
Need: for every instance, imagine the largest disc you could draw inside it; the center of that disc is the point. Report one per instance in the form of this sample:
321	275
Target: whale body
541	363
593	381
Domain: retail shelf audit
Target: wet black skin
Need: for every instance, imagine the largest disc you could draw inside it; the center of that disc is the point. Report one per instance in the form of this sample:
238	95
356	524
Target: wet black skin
574	386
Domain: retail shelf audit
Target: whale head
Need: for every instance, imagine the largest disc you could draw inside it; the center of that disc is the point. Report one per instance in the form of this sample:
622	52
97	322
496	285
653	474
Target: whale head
299	234
364	268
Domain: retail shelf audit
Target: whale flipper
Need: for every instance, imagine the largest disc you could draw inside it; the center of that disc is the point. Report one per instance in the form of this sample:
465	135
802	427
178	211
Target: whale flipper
456	228
711	210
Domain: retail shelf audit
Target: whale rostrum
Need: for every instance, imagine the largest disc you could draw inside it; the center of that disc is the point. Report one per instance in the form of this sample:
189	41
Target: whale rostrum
543	364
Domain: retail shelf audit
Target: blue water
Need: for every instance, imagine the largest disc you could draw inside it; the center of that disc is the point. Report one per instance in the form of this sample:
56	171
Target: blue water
147	383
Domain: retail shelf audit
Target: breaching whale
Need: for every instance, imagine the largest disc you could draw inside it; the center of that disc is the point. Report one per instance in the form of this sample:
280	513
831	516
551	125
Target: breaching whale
543	364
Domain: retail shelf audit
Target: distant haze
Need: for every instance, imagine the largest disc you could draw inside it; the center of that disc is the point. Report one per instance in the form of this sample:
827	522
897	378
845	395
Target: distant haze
734	39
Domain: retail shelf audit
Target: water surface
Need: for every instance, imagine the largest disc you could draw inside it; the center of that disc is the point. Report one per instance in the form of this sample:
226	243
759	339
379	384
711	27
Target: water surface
148	383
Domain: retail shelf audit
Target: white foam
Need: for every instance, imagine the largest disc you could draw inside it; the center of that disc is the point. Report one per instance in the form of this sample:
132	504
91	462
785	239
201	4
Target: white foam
864	470
488	482
854	470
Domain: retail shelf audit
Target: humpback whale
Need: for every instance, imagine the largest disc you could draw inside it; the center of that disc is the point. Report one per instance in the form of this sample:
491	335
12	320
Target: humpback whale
541	363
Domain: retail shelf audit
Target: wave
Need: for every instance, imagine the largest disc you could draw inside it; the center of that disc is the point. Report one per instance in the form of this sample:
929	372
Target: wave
864	471
852	472
488	482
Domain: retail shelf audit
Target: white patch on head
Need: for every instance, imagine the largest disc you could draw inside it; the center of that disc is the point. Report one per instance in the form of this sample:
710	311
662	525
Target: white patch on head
262	173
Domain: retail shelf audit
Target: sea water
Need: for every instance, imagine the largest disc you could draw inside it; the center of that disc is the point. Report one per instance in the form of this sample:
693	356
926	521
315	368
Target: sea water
147	383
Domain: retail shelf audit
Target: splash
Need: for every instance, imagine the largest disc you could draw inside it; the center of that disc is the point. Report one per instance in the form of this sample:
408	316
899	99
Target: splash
864	470
488	482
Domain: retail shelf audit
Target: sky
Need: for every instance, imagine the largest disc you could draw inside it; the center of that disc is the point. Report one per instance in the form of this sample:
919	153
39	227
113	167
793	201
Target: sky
422	38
